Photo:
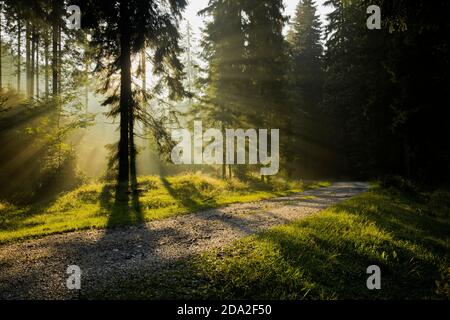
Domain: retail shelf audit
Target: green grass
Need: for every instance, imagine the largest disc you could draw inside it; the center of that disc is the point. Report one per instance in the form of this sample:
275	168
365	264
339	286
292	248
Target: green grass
95	205
324	256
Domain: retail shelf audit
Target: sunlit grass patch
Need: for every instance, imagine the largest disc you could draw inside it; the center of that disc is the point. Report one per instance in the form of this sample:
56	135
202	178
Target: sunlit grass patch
96	206
324	256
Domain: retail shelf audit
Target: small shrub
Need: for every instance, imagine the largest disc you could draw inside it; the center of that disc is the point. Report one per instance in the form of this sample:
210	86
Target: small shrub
400	183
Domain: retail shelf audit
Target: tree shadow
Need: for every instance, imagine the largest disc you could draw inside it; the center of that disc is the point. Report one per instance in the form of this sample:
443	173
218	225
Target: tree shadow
121	199
323	258
135	203
189	195
330	262
342	272
403	222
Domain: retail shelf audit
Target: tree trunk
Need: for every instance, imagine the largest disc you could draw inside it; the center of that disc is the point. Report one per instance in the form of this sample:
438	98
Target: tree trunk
37	65
86	75
46	53
54	49
27	57
125	92
32	65
132	151
224	164
59	60
1	76
19	35
189	58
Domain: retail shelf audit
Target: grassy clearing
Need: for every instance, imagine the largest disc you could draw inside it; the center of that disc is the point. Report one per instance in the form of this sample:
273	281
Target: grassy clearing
95	205
321	257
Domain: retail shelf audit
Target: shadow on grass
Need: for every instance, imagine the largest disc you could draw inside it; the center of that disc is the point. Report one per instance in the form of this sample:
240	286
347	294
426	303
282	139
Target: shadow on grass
121	199
122	205
189	196
404	217
332	267
325	257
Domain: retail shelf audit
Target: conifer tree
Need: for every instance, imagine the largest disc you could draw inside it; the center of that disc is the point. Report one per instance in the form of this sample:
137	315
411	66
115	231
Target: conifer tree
138	24
306	50
305	82
223	46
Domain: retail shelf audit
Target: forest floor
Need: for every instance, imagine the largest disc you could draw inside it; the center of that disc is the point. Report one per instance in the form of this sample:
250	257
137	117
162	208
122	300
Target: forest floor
110	258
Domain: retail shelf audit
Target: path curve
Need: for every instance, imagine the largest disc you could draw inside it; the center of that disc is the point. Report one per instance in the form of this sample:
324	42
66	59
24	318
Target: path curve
36	269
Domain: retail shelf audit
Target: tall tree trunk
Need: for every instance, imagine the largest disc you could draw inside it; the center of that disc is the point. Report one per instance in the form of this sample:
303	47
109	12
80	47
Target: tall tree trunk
59	60
224	163
1	53
132	145
132	150
54	49
32	65
125	92
27	57
86	75
37	65
19	52
189	59
46	53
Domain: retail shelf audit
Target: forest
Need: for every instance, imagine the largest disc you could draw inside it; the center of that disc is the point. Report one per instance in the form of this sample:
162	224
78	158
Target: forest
87	121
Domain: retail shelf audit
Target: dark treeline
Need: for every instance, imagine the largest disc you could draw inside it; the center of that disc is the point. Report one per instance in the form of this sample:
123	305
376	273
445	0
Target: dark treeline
349	102
386	90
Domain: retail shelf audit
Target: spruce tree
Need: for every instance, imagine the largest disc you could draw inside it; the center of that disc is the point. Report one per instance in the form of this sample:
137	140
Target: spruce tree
223	46
266	63
305	90
306	50
120	30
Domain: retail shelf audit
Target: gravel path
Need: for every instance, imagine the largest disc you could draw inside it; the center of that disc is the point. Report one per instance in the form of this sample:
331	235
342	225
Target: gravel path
37	269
